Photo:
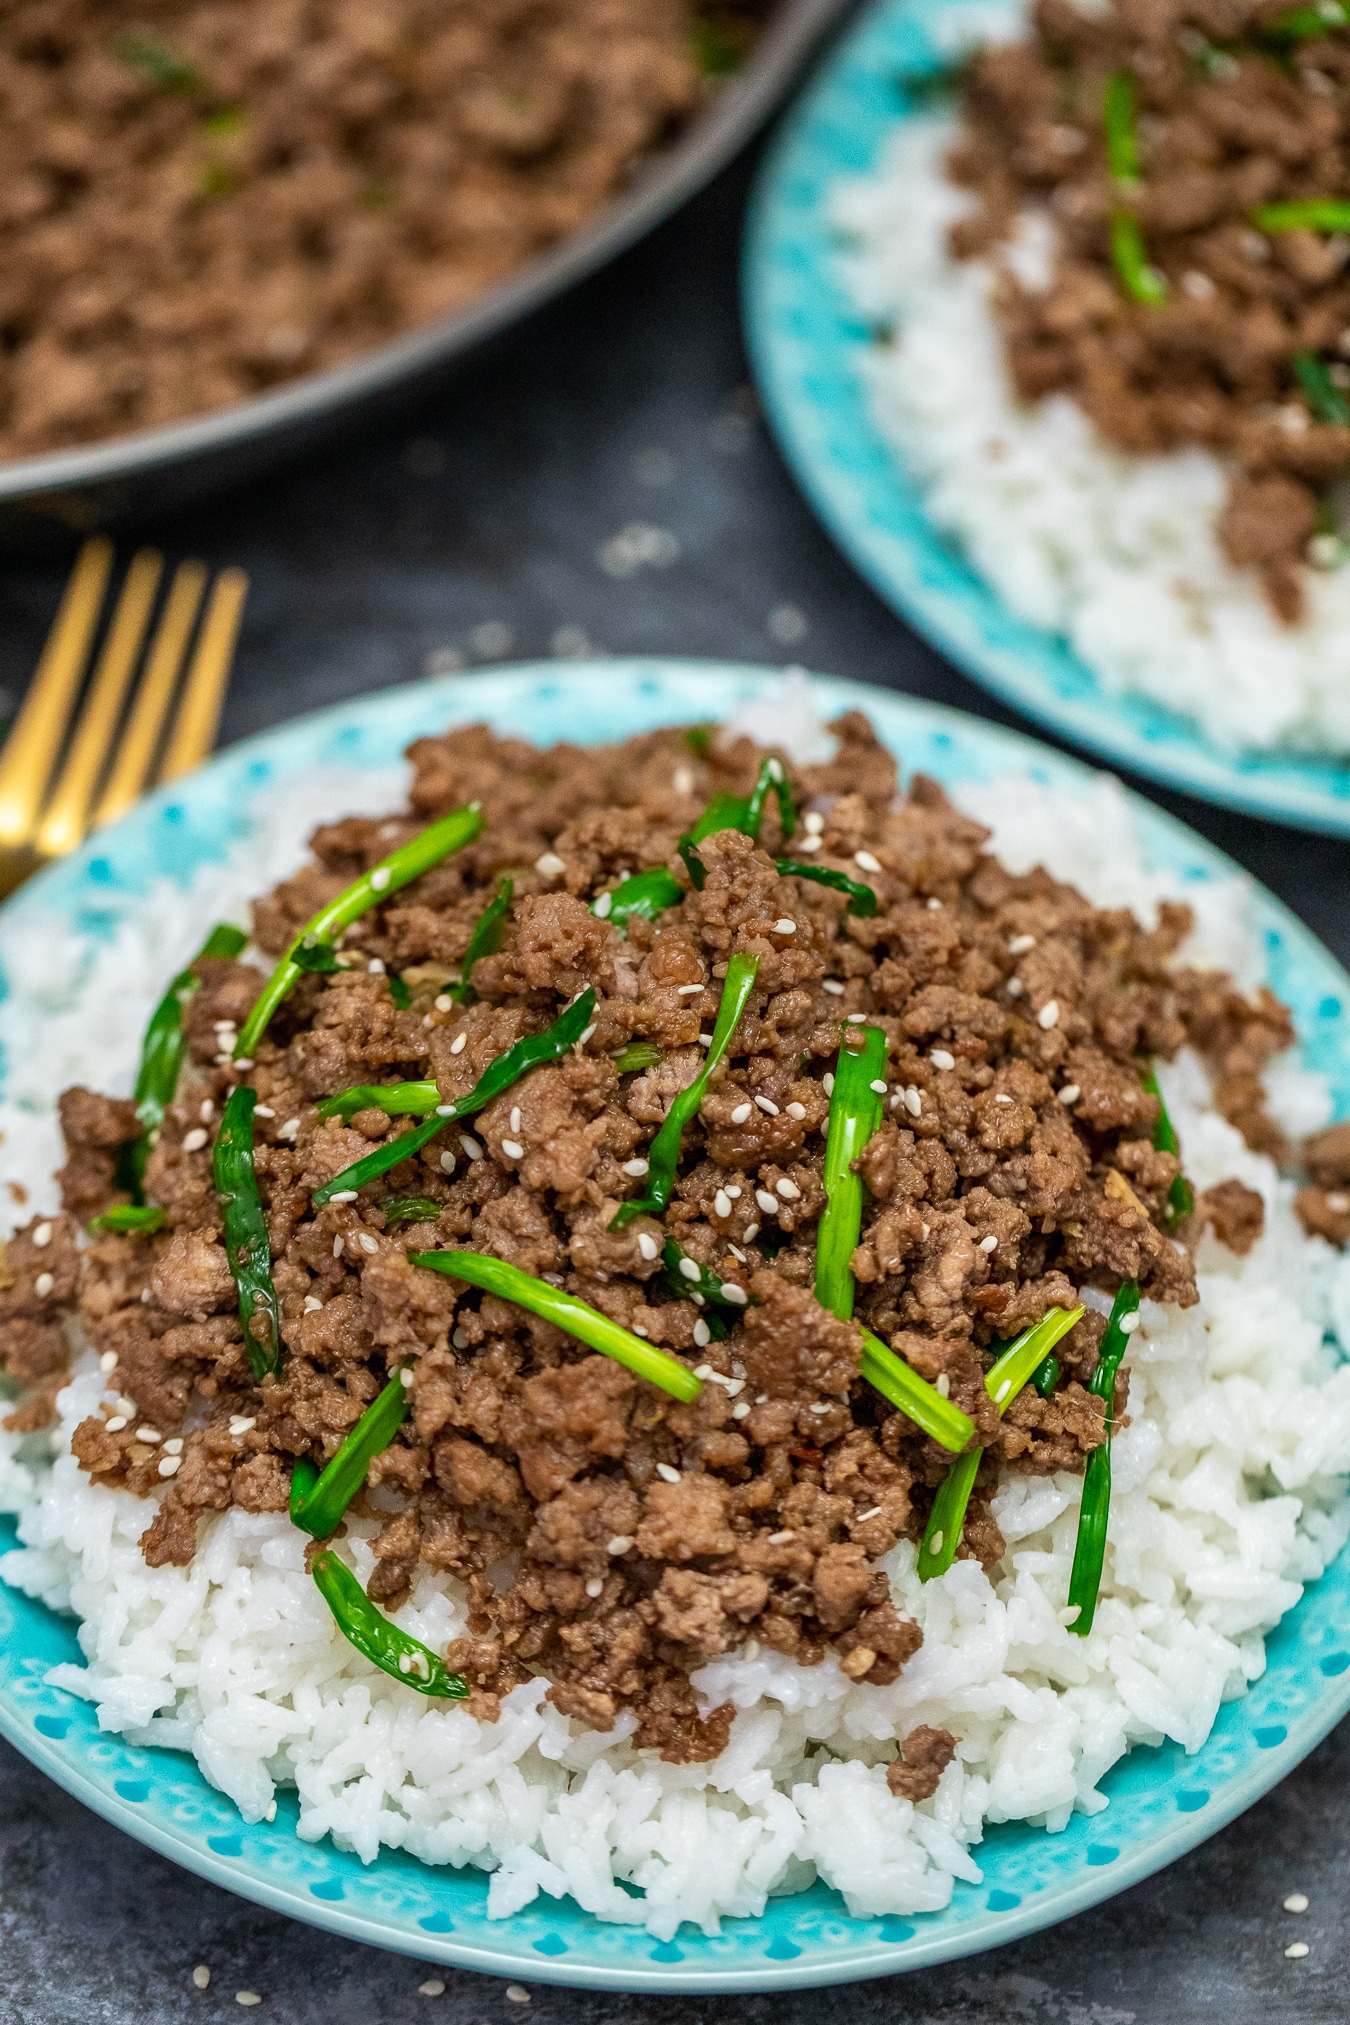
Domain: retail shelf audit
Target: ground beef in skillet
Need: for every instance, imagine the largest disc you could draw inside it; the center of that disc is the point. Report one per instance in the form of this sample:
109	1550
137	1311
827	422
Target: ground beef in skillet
1228	120
608	1536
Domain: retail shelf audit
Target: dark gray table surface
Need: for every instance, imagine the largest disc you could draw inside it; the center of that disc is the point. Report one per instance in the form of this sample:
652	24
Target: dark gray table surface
477	531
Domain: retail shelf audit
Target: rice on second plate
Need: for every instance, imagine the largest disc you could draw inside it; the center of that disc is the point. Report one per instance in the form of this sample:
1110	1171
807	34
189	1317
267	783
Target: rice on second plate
1117	553
1228	1498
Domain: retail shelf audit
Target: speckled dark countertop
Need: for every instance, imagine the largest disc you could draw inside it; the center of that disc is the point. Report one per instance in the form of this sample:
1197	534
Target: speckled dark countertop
475	532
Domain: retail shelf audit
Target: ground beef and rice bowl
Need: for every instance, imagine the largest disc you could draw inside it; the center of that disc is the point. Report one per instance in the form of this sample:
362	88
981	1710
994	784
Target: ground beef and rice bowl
711	1601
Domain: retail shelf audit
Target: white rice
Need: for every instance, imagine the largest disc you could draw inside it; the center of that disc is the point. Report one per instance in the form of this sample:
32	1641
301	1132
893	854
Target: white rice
1115	553
1228	1498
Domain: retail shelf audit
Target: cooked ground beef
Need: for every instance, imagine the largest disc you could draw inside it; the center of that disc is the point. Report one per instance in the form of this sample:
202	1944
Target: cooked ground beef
201	198
1229	119
608	1536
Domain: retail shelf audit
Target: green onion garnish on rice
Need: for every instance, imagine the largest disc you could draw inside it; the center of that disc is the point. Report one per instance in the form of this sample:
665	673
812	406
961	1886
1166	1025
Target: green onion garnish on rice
1089	1553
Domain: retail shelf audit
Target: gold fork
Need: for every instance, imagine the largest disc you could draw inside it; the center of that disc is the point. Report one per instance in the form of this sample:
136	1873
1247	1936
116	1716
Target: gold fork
61	776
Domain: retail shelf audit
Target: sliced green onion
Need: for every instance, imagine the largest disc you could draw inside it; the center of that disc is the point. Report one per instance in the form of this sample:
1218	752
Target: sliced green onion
409	1209
374	887
1141	281
739	812
319	1498
663	1154
699	738
162	1053
1304	214
862	900
587	1324
396	1100
1011	1370
1326	402
159	61
1119	124
646	894
1180	1196
247	1245
1303	24
1046	1376
316	959
1089	1554
489	931
638	1055
549	1046
400	994
138	1219
855	1113
914	1396
395	1652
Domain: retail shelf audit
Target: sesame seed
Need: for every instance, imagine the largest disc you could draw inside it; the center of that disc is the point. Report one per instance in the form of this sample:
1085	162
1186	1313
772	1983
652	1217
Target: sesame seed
1129	1323
809	844
637	1168
208	1111
913	1101
515	1994
667	1474
940	1059
741	1410
515	1117
795	1110
460	1340
784	927
736	1295
684	990
446	1110
194	1140
867	861
379	878
513	1149
344	1195
1003	1392
734	1190
934	905
290	1129
170	1465
619	1544
201	1975
721	1203
442	1001
1070	1093
472	1149
768	1203
116	1424
108	1361
601	908
988	1244
1297	1901
827	1082
648	1246
367	1243
1020	944
781	1539
174	1447
702	1333
1296	1951
1338	1203
751	1233
879	1085
447	1162
740	1114
248	1998
813	823
150	1434
376	966
833	986
873	1513
457	1045
243	1063
854	1019
1001	1098
688	1269
596	1586
638	1330
788	1189
937	1541
705	1040
682	780
767	1106
1048	1016
548	865
337	1246
943	1385
259	1111
43	1285
242	1423
1014	987
433	1987
405	1379
42	1236
585	1035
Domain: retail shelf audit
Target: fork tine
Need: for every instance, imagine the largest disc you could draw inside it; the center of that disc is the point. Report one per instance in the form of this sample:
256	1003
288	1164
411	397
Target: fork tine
204	690
136	753
33	744
65	821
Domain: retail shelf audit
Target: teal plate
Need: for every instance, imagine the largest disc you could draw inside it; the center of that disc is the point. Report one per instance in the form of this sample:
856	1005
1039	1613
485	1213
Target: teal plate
808	340
1162	1803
